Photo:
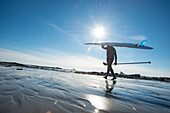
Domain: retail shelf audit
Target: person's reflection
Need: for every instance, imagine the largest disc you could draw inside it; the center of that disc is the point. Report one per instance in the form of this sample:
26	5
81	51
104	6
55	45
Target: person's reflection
109	88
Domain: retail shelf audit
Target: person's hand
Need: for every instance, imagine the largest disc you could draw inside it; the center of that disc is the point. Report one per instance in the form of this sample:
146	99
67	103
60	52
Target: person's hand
115	63
102	46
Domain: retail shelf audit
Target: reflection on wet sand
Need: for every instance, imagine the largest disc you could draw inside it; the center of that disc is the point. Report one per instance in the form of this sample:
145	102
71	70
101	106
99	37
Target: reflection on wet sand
97	101
102	103
109	88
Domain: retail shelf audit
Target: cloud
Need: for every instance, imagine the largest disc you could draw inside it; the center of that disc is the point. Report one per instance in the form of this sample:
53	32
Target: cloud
9	55
51	57
66	32
56	27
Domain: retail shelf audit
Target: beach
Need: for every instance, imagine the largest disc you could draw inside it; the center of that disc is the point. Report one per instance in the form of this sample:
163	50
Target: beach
28	90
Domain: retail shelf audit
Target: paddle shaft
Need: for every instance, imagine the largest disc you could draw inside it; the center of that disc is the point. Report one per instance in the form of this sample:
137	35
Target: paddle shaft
130	63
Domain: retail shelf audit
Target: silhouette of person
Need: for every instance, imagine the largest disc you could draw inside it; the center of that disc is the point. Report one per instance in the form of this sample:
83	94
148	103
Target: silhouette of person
111	53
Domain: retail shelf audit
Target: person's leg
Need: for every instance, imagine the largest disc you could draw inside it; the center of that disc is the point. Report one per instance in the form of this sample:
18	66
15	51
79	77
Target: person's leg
108	68
112	71
111	61
114	77
107	72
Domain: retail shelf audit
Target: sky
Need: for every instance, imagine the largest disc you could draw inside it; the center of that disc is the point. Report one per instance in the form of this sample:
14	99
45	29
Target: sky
53	33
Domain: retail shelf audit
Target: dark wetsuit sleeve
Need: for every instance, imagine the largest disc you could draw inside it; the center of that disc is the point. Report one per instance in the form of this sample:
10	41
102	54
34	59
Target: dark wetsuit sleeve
104	47
115	57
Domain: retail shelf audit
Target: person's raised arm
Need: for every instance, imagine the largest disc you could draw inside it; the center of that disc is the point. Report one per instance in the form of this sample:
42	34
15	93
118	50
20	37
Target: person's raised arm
103	47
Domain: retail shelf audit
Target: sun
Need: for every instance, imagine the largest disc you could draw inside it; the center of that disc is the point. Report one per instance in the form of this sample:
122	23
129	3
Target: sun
99	32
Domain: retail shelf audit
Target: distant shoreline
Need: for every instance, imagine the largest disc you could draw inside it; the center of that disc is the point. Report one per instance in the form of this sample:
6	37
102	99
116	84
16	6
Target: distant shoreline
122	75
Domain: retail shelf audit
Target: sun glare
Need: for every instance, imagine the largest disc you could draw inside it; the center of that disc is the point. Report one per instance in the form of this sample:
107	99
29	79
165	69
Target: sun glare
99	32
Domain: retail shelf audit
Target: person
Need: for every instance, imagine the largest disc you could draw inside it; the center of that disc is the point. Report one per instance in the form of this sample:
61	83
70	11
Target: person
111	53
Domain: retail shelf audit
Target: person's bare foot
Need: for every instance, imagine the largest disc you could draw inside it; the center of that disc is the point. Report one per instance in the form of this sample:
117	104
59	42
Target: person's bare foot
105	77
113	78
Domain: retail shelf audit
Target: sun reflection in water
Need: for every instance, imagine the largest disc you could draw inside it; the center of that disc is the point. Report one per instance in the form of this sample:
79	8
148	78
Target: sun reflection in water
49	112
96	110
97	101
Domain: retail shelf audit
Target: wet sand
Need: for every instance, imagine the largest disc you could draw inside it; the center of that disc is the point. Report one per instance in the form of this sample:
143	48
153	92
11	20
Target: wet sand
44	91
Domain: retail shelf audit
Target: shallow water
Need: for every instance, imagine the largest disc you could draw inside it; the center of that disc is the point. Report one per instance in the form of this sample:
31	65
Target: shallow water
43	91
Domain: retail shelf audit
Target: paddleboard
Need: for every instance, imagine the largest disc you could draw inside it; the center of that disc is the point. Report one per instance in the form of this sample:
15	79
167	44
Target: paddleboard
117	44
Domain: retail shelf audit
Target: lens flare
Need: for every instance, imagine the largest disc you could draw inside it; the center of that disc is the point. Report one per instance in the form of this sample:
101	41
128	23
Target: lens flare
55	103
99	32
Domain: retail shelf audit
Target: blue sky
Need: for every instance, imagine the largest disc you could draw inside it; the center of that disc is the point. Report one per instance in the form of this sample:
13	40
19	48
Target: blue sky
53	32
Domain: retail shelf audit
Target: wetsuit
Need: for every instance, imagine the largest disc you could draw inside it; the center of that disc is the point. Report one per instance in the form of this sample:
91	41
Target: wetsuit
111	53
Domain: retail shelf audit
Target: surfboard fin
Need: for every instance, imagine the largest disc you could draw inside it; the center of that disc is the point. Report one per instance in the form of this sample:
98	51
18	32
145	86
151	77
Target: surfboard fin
142	43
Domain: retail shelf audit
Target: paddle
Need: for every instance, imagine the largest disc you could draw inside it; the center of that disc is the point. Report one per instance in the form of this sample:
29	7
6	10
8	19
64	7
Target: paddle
130	63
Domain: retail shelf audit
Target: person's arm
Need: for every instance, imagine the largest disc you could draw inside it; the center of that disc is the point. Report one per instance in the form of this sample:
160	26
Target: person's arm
103	47
115	58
